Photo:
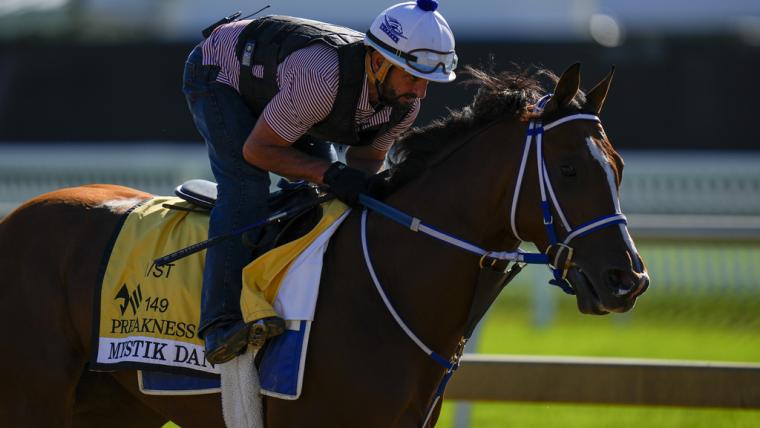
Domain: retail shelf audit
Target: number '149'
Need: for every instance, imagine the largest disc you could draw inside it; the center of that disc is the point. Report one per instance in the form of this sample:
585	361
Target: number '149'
157	304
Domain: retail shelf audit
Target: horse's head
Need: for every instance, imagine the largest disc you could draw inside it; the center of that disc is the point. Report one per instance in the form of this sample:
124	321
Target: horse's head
581	171
577	224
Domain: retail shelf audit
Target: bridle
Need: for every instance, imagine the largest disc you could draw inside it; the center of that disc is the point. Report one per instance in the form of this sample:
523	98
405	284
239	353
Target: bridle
561	261
563	252
559	264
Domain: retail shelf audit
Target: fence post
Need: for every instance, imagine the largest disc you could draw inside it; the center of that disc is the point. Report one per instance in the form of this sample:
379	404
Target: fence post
544	305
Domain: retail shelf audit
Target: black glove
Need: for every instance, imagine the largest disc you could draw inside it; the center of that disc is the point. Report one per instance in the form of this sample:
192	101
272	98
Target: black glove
378	185
345	182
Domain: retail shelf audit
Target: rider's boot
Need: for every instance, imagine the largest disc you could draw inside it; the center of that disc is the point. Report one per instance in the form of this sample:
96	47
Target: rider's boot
226	342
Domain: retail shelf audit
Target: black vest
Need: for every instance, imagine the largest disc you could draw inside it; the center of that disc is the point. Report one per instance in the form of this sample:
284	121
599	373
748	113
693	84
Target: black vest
267	41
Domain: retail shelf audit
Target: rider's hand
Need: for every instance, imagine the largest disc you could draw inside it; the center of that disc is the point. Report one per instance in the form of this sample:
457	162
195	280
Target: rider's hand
345	182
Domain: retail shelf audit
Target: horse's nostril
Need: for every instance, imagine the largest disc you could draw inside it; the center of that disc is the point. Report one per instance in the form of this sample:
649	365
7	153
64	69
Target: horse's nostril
612	276
621	282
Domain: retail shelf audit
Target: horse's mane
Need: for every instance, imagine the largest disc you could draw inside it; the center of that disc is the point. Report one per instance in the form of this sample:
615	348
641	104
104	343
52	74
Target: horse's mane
507	93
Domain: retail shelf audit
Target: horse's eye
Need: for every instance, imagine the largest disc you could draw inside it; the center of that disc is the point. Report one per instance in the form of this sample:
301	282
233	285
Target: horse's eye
567	170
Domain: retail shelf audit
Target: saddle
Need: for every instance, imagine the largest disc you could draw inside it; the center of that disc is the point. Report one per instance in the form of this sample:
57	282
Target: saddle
202	194
276	278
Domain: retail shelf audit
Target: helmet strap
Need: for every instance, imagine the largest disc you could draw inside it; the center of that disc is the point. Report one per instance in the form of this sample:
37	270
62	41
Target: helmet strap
376	77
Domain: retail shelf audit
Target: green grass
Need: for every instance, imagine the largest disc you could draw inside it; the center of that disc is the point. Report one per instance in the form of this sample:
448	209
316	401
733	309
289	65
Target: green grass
498	415
702	329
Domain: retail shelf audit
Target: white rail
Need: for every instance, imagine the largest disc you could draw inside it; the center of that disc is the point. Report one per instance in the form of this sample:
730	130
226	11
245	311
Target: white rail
662	183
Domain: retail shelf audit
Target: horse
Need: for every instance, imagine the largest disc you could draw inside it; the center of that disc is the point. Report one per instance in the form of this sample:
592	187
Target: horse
470	174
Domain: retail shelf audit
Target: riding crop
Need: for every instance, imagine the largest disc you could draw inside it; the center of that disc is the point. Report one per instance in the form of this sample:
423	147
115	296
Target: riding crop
200	246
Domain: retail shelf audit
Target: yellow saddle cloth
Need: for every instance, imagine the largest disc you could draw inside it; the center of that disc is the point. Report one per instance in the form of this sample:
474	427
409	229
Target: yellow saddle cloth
148	315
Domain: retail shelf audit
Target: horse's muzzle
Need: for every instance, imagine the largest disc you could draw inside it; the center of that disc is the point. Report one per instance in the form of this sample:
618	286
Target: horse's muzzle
613	290
619	288
586	297
627	284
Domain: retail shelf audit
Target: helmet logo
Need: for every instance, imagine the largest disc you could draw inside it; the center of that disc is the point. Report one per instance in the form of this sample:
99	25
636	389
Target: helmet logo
392	28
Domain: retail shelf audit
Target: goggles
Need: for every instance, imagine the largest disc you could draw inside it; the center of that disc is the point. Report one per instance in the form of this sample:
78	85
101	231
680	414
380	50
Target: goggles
426	61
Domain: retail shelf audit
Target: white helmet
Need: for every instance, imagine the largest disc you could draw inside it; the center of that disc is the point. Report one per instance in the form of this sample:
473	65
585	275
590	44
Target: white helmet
415	37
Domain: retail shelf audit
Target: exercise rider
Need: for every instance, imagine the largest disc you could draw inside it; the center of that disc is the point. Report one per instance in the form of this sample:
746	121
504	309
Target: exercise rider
268	95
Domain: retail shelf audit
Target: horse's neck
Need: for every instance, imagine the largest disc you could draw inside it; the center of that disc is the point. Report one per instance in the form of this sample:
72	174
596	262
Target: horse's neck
466	195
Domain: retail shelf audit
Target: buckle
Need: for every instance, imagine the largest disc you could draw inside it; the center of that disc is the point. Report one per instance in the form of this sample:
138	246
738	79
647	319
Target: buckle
567	262
483	259
457	357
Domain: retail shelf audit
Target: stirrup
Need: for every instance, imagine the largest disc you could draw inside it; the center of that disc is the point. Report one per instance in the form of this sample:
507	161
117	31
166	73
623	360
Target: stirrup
229	347
264	329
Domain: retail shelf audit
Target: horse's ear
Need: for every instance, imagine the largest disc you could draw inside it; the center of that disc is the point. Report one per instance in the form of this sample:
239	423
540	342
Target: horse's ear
566	88
596	96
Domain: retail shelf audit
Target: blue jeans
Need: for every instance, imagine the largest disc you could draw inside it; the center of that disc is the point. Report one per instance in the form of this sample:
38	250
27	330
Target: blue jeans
225	121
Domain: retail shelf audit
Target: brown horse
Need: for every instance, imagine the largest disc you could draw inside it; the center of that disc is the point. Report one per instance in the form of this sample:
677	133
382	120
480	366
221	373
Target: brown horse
459	175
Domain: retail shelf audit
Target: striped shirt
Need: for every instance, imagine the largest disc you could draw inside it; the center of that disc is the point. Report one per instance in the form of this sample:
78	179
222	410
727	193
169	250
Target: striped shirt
308	85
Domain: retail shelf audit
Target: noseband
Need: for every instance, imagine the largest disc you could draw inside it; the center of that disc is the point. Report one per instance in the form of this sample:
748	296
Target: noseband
562	260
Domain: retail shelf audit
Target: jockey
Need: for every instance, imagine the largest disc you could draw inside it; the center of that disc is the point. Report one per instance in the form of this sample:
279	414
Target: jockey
271	94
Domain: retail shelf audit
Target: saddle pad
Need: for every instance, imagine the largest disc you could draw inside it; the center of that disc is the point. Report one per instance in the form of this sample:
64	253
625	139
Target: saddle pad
298	262
147	316
290	276
282	364
160	383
